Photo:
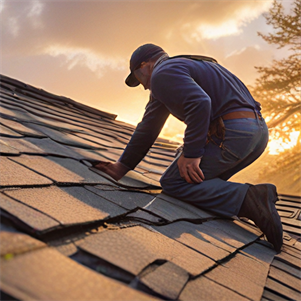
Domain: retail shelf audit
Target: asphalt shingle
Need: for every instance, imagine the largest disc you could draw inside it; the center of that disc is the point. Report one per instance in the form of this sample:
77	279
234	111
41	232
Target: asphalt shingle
127	230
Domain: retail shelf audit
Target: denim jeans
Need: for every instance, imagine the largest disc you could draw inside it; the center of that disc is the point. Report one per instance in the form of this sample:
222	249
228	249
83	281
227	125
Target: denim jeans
245	140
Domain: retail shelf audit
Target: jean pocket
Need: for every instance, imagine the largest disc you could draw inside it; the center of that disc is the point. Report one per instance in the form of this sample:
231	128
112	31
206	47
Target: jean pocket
238	144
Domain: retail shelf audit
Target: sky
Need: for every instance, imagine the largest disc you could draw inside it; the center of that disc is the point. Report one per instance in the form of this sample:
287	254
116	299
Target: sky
81	49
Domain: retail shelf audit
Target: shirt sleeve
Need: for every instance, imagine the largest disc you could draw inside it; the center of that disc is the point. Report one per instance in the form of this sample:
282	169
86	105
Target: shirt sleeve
185	99
145	134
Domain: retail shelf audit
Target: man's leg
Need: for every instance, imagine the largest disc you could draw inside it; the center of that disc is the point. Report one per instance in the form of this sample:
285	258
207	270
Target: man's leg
219	196
245	140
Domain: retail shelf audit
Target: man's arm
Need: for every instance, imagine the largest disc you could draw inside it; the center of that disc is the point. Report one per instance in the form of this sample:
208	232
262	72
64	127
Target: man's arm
143	138
145	134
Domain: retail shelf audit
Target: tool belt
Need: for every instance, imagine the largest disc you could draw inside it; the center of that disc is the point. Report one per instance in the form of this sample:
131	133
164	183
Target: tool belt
217	129
217	126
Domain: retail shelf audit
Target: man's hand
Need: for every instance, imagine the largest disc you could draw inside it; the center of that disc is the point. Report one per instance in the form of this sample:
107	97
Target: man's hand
115	170
189	169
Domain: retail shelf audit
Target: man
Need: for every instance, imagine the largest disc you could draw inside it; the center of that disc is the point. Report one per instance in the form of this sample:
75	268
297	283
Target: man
225	133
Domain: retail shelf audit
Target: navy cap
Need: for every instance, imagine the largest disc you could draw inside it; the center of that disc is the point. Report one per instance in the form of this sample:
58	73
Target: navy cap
140	55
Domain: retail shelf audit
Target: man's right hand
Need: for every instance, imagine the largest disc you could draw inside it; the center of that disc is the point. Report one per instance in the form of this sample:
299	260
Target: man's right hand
115	170
189	169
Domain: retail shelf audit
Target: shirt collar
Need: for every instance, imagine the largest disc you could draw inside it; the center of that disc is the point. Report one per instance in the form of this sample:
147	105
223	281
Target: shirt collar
161	59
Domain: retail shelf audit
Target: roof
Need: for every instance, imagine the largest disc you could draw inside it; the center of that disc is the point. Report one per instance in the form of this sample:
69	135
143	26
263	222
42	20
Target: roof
70	233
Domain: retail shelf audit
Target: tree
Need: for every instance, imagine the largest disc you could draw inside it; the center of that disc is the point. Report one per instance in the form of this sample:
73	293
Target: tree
278	86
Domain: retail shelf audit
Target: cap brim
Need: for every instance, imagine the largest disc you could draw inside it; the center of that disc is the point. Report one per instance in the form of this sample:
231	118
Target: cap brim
132	81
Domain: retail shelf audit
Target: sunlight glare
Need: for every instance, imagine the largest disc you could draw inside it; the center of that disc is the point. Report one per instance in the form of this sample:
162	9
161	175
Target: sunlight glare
278	145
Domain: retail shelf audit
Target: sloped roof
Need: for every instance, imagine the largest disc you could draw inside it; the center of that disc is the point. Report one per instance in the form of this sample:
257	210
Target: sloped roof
70	233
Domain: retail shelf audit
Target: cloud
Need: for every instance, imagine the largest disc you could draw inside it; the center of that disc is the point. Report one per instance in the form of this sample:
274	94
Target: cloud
248	57
13	26
34	13
20	16
228	21
105	25
1	6
239	51
95	62
36	9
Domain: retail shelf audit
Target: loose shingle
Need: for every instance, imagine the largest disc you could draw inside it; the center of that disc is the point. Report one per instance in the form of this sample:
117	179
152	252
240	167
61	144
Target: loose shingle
168	280
80	169
132	180
135	248
145	217
46	274
95	201
36	220
125	199
13	174
58	204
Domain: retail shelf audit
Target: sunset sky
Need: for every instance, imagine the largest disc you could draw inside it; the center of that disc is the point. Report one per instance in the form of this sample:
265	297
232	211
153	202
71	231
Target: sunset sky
81	49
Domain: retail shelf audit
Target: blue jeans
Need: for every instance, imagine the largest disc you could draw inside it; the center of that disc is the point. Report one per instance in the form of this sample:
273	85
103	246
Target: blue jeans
245	140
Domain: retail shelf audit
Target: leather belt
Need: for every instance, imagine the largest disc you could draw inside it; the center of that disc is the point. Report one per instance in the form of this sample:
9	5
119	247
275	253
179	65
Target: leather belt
240	114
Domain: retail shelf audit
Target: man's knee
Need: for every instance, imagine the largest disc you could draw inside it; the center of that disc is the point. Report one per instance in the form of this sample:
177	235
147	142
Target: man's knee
167	183
163	181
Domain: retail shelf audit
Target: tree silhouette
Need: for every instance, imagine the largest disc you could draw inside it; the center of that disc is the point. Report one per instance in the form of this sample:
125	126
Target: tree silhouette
278	86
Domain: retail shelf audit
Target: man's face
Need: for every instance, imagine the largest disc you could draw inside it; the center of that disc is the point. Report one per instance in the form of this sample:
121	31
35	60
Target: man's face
143	74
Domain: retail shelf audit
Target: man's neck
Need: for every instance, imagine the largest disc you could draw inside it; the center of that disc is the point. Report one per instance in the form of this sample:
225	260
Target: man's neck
162	58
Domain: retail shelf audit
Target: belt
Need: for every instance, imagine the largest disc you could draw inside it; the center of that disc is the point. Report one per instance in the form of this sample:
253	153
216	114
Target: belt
240	114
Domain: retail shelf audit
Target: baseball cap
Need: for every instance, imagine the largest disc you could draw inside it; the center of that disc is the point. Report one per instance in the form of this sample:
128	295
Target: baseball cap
140	55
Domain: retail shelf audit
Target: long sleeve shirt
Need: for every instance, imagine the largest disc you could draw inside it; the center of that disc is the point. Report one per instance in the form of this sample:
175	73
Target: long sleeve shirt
195	92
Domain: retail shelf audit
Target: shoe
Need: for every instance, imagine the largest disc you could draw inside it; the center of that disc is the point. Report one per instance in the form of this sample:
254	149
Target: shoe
259	206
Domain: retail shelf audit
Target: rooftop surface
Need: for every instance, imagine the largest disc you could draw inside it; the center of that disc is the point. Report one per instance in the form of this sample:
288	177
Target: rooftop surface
70	233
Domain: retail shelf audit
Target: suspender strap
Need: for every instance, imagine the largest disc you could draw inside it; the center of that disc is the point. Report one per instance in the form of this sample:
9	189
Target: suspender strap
195	57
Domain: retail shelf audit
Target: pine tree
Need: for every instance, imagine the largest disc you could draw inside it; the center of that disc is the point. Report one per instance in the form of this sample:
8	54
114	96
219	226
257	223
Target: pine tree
278	86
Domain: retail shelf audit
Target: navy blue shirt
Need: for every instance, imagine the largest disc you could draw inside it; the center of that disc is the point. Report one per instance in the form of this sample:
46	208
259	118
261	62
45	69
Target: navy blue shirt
195	92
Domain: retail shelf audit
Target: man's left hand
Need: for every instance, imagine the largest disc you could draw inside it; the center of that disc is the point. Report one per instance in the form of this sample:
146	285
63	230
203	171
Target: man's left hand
189	169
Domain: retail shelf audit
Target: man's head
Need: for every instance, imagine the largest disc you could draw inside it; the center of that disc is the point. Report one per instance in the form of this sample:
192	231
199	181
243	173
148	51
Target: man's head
141	65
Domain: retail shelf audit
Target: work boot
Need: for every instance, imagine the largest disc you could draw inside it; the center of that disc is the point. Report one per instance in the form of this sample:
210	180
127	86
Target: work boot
259	206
